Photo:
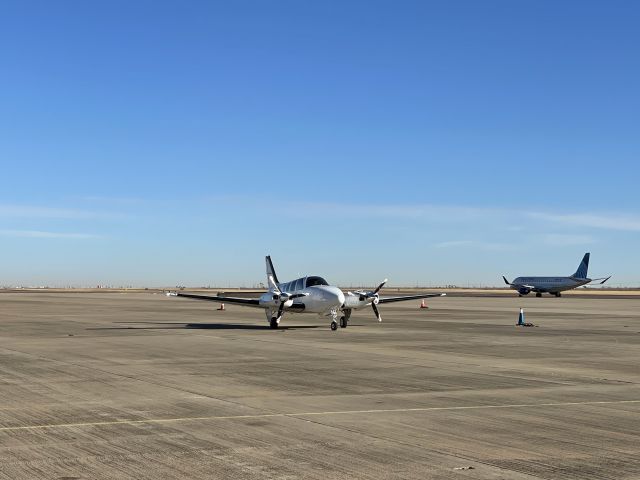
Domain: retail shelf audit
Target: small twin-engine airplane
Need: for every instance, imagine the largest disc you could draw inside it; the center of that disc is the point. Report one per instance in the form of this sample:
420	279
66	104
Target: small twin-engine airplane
554	285
310	295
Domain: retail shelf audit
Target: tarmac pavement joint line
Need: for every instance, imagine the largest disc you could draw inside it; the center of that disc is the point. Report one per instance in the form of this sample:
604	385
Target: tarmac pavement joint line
303	414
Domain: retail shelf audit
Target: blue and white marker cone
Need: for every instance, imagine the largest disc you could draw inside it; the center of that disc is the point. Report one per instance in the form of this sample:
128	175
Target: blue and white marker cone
521	317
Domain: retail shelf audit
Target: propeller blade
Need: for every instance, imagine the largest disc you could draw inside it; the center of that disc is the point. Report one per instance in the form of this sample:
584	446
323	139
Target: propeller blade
280	309
375	310
380	286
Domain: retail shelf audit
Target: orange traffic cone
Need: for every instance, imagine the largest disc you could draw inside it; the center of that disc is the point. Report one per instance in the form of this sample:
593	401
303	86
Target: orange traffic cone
423	305
221	307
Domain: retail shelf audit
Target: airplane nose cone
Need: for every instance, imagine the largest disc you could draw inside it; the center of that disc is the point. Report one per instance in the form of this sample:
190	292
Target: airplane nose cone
334	295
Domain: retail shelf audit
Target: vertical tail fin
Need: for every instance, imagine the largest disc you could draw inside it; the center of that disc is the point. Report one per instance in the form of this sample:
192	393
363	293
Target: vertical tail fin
582	269
271	272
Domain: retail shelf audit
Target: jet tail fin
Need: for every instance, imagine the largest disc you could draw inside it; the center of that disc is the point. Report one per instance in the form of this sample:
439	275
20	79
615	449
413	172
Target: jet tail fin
583	267
271	272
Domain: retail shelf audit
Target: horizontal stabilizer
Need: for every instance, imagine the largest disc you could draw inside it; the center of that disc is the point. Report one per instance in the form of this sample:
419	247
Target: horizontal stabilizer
603	280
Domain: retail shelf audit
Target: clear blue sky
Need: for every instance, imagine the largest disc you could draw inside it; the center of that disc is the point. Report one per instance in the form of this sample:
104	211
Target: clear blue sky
163	143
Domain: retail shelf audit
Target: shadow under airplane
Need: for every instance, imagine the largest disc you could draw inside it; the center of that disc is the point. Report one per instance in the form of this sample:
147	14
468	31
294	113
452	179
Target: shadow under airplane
203	326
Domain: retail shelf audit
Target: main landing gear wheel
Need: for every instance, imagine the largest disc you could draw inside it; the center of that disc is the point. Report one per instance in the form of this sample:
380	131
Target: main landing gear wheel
273	323
558	294
334	325
538	294
343	322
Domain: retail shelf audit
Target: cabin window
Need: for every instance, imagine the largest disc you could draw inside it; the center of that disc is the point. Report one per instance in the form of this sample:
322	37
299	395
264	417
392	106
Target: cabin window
313	281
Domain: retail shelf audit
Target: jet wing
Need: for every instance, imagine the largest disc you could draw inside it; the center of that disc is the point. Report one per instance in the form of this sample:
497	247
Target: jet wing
410	297
530	287
247	302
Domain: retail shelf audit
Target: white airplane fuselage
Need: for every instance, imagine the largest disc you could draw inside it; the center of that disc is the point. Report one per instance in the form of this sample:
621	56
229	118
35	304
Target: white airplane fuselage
320	299
547	284
554	285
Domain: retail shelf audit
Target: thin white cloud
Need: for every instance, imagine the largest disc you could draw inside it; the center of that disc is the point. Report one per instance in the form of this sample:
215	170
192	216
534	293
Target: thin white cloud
44	234
511	219
566	240
31	211
113	200
454	243
481	245
453	213
469	214
609	222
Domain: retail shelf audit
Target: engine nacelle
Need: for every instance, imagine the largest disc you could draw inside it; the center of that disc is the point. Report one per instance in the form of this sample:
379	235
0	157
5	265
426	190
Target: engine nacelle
274	300
356	300
524	291
269	300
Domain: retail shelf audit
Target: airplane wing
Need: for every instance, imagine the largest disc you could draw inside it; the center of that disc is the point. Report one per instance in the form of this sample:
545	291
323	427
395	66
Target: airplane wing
247	302
410	297
531	287
604	279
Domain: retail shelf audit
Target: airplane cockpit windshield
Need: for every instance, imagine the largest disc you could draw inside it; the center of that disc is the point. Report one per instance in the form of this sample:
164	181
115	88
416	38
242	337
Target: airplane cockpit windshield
314	281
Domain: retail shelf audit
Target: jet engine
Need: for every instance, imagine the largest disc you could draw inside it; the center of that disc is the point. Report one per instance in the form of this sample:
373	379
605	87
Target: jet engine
524	290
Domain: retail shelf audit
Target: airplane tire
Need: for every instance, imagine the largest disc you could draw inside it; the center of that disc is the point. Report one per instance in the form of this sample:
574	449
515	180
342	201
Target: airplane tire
343	322
538	295
334	325
273	323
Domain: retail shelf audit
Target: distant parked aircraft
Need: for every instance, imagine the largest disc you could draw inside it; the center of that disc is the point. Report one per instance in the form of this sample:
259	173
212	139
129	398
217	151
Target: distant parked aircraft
554	285
310	295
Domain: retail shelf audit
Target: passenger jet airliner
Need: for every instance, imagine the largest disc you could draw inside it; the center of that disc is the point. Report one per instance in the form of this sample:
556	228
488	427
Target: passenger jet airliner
311	295
554	285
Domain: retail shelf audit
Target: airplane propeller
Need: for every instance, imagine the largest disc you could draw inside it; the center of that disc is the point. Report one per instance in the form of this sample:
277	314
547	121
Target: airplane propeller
285	299
374	297
375	310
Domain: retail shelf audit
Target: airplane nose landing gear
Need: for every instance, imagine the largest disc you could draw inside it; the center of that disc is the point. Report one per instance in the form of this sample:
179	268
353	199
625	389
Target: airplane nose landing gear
334	319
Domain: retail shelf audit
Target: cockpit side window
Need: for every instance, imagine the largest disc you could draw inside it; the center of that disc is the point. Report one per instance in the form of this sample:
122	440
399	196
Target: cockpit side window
299	284
313	281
